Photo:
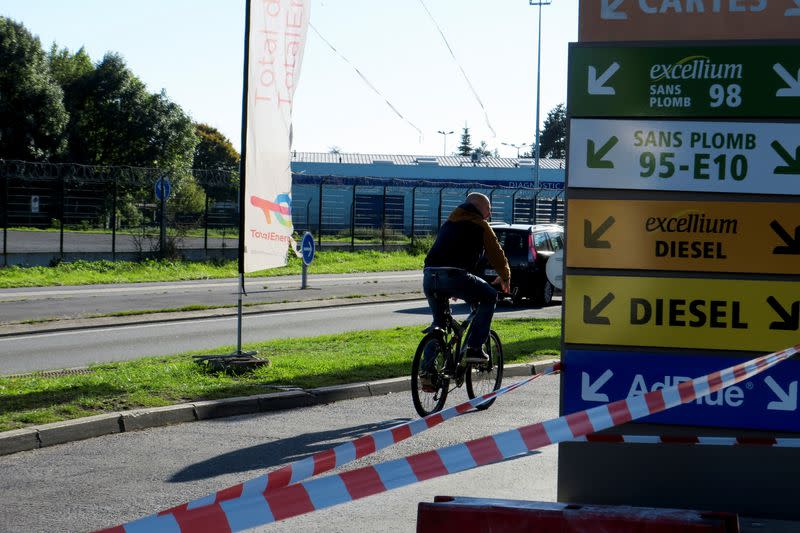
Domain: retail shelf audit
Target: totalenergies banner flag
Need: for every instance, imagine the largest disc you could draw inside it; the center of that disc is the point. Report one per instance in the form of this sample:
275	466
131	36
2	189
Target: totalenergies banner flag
276	37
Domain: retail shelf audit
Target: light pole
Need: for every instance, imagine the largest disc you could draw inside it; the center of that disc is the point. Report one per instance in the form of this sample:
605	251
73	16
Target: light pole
538	3
445	134
517	146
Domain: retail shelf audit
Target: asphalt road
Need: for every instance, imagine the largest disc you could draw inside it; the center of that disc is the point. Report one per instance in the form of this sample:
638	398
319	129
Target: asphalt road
104	481
66	349
43	303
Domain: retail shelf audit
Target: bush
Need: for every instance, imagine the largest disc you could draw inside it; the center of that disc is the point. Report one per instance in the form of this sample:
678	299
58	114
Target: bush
421	244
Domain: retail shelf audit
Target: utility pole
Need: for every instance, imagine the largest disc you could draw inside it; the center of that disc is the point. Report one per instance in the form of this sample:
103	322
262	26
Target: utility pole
444	135
539	4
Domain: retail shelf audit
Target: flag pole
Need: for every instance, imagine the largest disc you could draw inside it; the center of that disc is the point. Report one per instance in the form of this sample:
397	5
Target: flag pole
239	360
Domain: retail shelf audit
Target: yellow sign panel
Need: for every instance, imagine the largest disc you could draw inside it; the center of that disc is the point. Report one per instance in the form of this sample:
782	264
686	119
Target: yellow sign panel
682	312
688	236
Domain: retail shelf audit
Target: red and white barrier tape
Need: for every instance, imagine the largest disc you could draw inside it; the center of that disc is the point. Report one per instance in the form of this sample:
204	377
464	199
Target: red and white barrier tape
254	509
327	460
775	442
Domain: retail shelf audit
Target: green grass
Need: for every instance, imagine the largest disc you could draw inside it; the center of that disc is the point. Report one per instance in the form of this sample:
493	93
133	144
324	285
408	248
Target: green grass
95	272
307	363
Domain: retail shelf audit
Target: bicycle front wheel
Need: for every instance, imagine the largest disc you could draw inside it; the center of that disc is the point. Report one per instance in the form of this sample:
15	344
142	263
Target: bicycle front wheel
486	377
429	398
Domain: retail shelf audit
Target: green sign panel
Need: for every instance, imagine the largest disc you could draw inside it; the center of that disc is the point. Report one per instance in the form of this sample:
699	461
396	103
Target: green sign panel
718	80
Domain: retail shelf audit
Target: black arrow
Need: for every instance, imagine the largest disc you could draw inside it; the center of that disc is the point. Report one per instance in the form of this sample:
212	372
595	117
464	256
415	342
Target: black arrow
591	239
594	158
591	314
788	322
792	245
792	163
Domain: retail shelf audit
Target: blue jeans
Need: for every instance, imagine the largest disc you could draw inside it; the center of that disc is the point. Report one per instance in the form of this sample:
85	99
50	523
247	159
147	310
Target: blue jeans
441	284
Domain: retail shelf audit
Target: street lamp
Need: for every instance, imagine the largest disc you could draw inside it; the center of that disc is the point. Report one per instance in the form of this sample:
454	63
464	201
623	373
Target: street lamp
538	3
445	134
517	146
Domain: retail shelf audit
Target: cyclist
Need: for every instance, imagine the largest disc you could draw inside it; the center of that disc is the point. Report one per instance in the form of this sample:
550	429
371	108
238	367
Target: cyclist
462	240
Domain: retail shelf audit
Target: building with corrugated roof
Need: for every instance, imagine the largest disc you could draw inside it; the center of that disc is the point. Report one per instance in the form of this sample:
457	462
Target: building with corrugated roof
412	194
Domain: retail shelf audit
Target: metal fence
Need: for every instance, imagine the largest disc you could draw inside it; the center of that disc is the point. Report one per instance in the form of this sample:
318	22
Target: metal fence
54	212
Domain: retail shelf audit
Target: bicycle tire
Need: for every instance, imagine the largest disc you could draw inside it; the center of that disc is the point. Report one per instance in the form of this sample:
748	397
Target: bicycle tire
487	377
426	403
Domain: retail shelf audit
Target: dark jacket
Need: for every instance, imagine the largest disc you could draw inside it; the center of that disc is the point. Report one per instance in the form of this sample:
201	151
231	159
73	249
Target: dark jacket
463	239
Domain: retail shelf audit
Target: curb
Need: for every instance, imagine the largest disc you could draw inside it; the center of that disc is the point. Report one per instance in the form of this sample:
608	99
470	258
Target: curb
31	438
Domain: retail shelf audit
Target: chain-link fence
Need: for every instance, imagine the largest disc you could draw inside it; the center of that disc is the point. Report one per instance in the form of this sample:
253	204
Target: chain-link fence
52	212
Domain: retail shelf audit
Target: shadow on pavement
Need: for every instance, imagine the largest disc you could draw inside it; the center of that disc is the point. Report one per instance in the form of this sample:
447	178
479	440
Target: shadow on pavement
276	453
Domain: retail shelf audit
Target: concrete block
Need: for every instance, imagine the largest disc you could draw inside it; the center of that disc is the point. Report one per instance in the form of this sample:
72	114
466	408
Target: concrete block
18	440
81	428
158	416
340	392
516	370
285	400
385	386
228	407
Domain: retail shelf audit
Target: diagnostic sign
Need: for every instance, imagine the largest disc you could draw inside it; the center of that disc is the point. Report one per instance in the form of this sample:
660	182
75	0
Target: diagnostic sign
719	157
669	20
745	315
696	236
767	401
719	80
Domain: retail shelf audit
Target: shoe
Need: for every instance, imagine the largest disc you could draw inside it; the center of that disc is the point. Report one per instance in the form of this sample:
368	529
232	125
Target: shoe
476	356
426	380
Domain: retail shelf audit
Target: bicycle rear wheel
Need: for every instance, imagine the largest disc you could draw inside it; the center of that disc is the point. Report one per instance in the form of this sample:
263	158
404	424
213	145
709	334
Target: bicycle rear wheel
487	377
427	402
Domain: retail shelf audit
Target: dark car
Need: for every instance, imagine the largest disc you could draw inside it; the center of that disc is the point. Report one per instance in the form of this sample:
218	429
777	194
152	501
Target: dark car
527	248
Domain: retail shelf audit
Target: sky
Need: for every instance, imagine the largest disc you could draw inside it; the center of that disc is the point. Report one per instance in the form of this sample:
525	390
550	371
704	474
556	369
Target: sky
193	49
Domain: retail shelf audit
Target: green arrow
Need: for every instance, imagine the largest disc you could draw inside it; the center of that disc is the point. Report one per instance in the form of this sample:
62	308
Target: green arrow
594	158
792	163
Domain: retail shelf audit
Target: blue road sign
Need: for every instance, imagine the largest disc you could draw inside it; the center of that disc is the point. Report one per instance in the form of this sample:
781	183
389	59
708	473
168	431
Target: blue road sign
307	248
767	401
163	188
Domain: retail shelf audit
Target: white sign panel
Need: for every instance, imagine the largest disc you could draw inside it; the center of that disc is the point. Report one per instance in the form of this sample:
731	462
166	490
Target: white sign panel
277	37
720	157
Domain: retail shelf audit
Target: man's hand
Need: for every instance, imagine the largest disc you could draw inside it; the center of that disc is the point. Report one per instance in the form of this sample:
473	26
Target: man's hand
504	284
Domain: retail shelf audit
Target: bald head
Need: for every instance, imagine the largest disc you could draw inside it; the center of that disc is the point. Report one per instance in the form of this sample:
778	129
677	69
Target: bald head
481	202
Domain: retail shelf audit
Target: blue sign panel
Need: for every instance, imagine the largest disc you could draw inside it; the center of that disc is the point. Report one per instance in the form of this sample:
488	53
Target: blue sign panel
767	401
163	188
307	248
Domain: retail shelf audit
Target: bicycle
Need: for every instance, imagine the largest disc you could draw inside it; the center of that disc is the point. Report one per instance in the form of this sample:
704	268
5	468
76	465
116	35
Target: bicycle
449	365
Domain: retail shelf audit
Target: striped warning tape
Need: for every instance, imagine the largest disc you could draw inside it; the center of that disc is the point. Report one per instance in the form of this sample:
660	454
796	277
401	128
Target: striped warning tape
775	442
327	460
254	509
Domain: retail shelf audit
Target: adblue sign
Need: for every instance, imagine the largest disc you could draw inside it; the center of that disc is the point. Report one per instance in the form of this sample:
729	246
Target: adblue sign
670	20
767	401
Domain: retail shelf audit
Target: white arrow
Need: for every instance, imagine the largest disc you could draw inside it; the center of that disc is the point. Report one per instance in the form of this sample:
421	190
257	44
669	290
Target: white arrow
597	85
608	10
793	11
785	402
794	84
589	390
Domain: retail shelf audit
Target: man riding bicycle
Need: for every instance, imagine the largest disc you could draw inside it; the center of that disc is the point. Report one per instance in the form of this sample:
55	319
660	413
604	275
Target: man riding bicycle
461	242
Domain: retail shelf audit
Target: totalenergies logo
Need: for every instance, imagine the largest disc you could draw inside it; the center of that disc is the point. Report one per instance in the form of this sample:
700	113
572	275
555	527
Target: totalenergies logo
283	213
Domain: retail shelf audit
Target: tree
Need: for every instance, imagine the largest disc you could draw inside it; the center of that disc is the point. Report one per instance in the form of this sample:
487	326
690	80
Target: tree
32	114
67	68
115	121
213	151
465	148
553	137
483	149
